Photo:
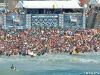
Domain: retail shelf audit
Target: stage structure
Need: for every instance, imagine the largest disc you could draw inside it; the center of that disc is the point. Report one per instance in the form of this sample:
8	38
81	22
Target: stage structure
61	19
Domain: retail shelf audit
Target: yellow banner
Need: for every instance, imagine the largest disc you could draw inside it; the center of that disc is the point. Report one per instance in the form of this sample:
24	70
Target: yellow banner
53	6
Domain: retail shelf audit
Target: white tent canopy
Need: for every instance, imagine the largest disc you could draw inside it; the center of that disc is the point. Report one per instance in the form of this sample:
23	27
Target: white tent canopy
19	5
73	4
96	2
75	0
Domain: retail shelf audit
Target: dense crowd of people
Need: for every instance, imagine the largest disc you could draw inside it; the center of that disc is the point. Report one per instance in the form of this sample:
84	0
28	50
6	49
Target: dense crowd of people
52	11
94	9
42	40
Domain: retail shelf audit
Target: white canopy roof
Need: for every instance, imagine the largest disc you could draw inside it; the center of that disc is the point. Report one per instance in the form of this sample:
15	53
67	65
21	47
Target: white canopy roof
94	2
49	4
19	5
75	0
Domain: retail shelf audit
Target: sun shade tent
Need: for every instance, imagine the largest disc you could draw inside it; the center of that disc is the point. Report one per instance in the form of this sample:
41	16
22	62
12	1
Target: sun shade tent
78	1
49	4
95	2
19	5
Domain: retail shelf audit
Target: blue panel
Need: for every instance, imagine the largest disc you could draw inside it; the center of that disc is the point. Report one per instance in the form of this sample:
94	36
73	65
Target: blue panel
42	24
84	22
29	25
16	20
26	22
84	27
29	20
29	15
73	20
19	27
59	24
4	27
39	24
4	17
52	24
84	17
60	14
45	19
4	22
62	22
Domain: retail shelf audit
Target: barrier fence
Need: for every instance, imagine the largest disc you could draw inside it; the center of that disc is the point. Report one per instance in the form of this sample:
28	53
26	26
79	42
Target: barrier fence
25	21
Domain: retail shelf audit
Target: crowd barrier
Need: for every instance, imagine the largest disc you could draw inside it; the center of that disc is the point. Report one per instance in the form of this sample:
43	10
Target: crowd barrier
24	21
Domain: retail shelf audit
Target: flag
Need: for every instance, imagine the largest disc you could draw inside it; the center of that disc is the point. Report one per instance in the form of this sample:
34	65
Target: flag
83	1
53	6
